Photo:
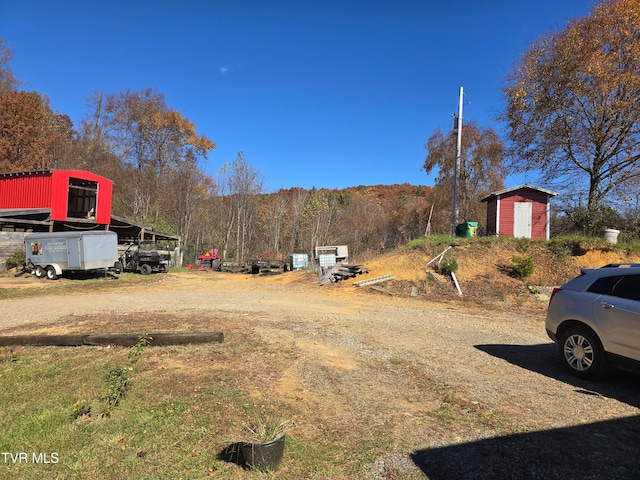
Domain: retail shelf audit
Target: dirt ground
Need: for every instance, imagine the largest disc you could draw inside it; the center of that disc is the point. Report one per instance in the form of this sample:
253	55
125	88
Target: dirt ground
462	390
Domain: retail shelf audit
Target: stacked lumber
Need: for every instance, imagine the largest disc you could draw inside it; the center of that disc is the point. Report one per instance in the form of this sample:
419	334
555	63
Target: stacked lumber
339	272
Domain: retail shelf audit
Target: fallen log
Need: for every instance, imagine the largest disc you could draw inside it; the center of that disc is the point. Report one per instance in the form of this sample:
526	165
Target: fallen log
122	340
70	340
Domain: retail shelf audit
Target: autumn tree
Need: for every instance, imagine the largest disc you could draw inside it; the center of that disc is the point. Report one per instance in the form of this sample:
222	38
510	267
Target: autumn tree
8	81
152	142
32	136
481	164
573	103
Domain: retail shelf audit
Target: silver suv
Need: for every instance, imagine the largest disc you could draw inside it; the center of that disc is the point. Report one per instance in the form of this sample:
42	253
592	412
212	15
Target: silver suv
595	320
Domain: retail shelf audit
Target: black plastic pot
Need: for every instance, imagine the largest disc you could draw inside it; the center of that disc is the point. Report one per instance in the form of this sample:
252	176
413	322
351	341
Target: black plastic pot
264	456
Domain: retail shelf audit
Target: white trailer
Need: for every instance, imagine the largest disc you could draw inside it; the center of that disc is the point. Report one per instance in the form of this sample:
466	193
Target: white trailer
52	254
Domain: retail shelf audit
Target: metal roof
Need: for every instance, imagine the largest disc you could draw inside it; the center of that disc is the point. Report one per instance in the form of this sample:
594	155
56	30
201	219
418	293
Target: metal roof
524	186
39	220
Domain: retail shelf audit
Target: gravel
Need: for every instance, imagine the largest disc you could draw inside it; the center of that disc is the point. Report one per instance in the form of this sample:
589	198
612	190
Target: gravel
460	390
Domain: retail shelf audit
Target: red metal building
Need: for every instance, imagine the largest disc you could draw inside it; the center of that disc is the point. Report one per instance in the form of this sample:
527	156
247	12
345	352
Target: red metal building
69	195
521	212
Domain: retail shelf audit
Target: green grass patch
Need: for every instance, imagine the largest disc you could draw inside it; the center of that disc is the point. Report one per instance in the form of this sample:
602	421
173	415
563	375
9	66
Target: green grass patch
102	413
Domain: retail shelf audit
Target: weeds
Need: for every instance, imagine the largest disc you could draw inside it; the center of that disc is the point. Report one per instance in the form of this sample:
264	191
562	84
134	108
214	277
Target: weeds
136	352
266	429
118	382
522	245
6	354
81	408
17	259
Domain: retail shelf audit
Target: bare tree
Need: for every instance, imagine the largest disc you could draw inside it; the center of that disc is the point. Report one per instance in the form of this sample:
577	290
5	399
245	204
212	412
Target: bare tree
239	186
8	81
573	103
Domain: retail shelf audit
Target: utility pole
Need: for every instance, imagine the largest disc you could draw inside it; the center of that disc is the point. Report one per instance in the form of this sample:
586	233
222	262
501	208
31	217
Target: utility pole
456	175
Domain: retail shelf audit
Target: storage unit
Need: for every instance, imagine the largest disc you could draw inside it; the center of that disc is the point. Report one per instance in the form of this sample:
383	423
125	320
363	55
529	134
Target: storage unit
299	261
521	212
52	254
340	252
69	194
65	200
326	260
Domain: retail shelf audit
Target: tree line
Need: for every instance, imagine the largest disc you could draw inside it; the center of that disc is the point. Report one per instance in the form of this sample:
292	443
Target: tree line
572	117
153	156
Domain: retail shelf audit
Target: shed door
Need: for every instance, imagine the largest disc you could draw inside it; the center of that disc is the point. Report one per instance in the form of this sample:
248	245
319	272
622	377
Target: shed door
522	214
73	250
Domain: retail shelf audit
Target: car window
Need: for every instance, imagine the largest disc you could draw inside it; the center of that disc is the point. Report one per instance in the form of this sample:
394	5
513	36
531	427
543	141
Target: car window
628	287
604	285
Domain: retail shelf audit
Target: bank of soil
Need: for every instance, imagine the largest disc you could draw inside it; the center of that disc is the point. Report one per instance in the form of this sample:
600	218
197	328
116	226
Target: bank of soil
453	388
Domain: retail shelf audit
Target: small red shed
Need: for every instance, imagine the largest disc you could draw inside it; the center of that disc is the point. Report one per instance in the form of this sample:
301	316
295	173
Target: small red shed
69	194
521	212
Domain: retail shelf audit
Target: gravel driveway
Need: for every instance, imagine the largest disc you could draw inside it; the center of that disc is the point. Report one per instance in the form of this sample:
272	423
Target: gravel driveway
465	391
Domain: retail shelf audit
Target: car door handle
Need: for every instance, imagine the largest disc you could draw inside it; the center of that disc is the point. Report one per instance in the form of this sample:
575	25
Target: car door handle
606	305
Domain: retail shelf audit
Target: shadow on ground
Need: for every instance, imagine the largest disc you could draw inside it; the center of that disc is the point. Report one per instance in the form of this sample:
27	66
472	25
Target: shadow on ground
603	450
544	359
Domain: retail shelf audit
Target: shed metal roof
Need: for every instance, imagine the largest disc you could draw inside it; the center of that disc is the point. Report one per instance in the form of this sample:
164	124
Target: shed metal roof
524	186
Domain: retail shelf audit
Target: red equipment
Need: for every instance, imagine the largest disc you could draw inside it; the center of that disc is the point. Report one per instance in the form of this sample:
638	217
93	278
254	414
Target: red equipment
209	260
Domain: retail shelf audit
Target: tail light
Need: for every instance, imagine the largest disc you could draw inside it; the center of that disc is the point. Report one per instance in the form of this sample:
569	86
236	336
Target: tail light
553	292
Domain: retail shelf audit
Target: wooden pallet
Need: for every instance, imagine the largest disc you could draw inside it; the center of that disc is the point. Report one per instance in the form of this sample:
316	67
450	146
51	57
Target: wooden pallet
340	272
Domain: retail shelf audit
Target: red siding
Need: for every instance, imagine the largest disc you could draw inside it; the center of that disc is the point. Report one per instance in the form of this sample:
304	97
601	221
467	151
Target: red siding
492	216
51	190
33	191
105	197
538	212
60	192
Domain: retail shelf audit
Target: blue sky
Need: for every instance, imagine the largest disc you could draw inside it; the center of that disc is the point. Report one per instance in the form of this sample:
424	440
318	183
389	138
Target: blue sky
315	93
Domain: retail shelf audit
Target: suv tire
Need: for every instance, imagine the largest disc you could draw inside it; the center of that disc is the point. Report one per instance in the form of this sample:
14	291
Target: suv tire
582	353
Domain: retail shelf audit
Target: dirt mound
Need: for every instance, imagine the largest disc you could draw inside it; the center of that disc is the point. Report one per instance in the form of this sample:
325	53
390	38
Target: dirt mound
484	270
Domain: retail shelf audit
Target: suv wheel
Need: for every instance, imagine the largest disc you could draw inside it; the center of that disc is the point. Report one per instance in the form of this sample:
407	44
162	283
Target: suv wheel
582	353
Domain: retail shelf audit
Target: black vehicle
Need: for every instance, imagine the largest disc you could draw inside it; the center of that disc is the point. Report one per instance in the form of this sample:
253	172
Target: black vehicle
145	257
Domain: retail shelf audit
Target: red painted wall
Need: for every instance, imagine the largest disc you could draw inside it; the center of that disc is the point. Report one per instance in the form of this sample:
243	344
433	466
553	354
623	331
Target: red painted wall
491	216
20	191
538	212
60	190
51	190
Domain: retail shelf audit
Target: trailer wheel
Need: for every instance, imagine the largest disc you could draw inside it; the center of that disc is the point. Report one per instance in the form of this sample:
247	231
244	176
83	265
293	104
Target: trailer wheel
39	272
145	269
51	273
